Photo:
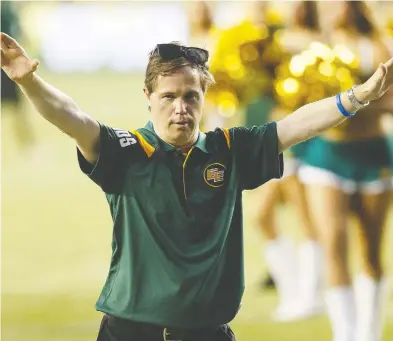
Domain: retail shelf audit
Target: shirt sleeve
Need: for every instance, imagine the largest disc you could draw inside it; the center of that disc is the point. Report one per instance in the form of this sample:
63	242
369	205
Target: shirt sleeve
118	149
256	154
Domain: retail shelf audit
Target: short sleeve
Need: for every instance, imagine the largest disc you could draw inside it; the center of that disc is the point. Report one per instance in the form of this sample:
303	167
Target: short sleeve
256	154
118	149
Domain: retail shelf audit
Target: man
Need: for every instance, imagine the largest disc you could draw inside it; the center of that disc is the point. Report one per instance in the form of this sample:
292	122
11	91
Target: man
175	193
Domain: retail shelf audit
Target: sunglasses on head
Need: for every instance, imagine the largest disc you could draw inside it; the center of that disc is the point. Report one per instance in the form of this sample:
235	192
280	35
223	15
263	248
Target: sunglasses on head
172	51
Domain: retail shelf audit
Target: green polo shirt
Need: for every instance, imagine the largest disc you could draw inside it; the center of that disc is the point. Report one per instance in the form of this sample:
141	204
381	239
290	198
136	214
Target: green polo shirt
177	249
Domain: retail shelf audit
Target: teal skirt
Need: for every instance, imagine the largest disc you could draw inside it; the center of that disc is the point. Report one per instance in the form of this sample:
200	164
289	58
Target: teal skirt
300	150
360	161
390	142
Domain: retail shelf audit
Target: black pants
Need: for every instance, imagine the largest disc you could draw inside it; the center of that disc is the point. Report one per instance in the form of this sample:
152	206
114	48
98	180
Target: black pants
116	329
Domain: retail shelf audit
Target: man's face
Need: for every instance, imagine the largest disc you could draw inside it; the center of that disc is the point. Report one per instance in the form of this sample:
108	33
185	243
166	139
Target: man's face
176	106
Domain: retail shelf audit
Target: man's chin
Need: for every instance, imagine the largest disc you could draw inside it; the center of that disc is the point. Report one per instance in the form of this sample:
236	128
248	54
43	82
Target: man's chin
181	136
181	130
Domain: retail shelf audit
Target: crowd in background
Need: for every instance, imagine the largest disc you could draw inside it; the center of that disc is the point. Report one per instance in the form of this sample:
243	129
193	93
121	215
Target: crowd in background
266	65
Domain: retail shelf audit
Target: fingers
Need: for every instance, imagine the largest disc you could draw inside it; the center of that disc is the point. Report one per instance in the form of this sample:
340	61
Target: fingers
7	41
35	64
375	83
389	71
383	68
381	80
379	75
3	44
3	58
389	63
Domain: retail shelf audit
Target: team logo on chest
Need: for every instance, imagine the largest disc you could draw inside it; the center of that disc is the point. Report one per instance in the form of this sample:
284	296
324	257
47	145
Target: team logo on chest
214	174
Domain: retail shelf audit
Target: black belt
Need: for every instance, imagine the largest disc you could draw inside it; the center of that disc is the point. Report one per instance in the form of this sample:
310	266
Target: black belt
147	331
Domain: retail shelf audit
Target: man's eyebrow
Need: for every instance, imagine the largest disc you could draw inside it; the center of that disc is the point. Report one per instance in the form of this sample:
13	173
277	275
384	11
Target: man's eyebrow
192	91
166	93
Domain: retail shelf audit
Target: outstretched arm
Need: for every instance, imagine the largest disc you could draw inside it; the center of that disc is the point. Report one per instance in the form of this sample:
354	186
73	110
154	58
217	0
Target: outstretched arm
55	106
314	118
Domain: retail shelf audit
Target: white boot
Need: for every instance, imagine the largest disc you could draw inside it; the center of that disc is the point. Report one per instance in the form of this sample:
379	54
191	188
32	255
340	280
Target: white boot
310	279
369	299
280	256
308	298
340	304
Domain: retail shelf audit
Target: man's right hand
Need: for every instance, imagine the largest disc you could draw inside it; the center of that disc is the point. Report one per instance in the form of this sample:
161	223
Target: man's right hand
53	105
14	60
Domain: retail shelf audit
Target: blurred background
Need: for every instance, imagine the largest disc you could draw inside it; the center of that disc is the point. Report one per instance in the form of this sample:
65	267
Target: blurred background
268	59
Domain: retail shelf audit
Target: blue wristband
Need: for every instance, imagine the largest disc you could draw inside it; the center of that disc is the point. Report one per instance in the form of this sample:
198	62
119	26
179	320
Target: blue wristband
341	107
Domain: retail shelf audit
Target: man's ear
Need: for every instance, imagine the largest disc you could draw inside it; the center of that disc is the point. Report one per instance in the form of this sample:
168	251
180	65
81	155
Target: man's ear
147	93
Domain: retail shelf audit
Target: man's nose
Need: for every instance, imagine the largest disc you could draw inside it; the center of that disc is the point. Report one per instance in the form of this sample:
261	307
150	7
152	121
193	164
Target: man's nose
180	106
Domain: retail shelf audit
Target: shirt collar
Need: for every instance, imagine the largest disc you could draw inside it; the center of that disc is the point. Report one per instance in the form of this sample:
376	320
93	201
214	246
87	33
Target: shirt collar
200	143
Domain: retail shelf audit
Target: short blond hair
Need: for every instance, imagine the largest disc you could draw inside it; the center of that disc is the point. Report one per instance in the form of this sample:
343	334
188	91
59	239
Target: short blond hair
157	66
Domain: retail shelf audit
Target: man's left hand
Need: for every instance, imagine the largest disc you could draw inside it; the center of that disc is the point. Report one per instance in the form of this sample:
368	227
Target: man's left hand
377	85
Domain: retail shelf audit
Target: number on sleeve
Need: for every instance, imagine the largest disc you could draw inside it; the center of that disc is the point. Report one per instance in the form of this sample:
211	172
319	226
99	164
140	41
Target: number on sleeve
125	138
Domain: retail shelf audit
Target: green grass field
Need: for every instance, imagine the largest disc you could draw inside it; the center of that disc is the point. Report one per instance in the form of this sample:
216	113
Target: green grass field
57	230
